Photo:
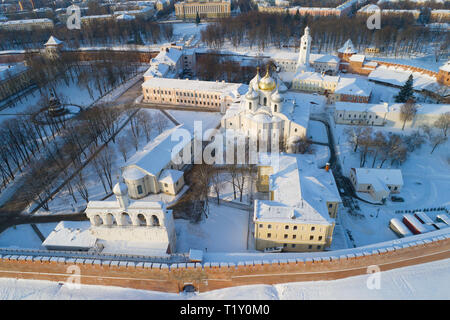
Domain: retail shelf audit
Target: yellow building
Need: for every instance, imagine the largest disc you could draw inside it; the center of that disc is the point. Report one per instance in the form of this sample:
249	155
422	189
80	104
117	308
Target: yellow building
302	204
205	9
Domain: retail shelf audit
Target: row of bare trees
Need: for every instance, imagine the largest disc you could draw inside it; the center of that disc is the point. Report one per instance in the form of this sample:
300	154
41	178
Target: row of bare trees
399	34
392	147
58	149
100	33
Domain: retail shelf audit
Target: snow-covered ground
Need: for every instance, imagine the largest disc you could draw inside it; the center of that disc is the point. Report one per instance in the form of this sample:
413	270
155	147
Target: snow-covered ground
64	203
423	281
225	230
317	131
23	236
426	179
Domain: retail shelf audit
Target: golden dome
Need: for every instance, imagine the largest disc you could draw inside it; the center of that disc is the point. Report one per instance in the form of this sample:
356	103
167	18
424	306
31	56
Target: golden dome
267	83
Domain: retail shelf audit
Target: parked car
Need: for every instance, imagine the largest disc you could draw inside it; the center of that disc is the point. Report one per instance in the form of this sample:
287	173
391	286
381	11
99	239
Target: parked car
397	199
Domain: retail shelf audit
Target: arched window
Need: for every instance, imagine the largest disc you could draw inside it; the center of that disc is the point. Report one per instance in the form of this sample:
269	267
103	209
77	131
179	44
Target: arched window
275	108
250	106
110	220
97	220
126	220
265	101
141	219
155	221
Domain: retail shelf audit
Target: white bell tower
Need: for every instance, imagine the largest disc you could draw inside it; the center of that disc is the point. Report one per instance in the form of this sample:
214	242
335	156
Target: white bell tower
305	48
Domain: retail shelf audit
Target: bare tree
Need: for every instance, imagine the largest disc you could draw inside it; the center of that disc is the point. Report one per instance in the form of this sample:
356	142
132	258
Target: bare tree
122	146
161	122
354	135
217	184
443	122
80	186
145	120
407	112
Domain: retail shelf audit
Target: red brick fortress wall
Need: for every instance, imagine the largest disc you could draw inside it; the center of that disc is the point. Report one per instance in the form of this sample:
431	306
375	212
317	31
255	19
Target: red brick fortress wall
211	276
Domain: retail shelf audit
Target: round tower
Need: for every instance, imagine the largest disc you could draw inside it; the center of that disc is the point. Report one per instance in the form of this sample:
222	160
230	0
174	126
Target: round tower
120	190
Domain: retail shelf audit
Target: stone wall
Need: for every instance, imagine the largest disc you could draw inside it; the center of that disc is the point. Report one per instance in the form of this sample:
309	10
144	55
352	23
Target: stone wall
211	276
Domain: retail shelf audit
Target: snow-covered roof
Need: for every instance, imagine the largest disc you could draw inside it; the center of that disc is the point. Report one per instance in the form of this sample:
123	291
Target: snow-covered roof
53	41
169	56
323	58
361	107
157	154
347	47
398	76
157	71
113	206
70	235
133	173
315	76
170	176
445	67
222	88
300	190
387	176
26	21
357	58
125	17
353	86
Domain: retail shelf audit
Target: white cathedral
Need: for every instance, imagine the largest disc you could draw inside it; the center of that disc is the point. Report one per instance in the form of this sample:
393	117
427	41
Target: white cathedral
265	112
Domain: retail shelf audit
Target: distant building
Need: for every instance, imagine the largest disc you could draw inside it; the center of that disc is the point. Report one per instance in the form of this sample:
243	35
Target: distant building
184	92
360	113
302	204
372	8
352	90
440	15
206	9
27	25
13	79
378	183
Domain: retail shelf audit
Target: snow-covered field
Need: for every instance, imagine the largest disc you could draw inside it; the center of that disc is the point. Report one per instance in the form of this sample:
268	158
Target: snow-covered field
225	230
23	236
423	281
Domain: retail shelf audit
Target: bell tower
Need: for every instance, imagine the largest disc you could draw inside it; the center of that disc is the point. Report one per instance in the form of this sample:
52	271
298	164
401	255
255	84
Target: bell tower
305	48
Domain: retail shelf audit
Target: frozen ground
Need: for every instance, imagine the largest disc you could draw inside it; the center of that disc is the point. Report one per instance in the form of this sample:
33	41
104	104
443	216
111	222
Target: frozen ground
317	131
23	236
424	281
225	230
